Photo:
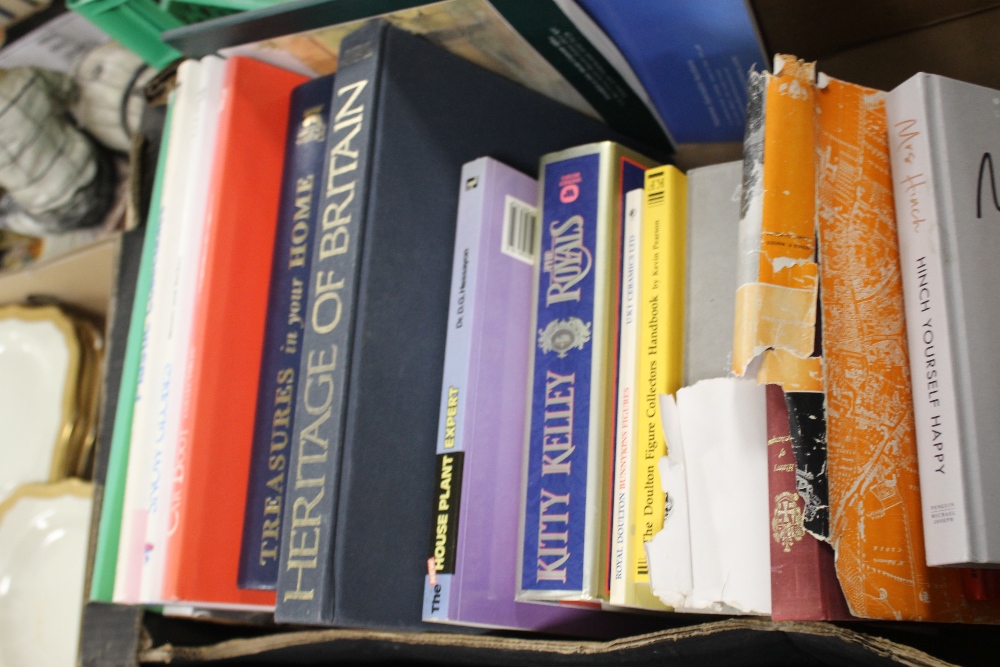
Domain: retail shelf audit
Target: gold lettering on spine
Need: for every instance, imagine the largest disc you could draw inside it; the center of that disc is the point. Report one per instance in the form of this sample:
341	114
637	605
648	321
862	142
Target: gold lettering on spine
277	461
343	161
325	319
300	221
310	471
306	532
285	391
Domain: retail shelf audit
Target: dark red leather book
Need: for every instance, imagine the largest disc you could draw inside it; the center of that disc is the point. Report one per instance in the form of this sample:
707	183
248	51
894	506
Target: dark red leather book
804	585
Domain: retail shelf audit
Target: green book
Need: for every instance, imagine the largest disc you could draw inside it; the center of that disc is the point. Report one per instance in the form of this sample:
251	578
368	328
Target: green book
102	585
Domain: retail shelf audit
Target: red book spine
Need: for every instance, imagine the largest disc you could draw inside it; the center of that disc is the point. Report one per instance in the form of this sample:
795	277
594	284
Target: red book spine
804	584
213	458
980	585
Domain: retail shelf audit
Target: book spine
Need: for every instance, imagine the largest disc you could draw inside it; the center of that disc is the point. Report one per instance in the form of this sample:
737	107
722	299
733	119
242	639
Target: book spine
787	529
915	180
166	362
807	422
305	154
455	388
566	514
181	272
861	274
306	571
660	361
777	307
227	339
626	175
182	452
106	555
625	435
146	426
804	585
751	213
186	281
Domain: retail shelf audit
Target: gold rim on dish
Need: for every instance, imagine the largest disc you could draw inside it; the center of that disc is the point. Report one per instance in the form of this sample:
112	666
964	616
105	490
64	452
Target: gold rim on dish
62	457
67	487
88	395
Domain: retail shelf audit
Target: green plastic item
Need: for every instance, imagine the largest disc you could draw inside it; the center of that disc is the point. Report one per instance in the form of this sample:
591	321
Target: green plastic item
192	11
135	23
196	11
138	23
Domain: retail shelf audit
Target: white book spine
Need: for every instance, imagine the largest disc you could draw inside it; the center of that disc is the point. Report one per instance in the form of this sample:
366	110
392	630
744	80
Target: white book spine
184	297
621	540
159	468
125	591
916	177
146	424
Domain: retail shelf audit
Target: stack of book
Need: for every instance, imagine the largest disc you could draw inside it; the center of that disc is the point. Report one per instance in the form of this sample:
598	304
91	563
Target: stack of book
730	391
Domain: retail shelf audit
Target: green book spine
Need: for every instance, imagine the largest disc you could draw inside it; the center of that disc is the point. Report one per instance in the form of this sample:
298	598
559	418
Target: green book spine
106	557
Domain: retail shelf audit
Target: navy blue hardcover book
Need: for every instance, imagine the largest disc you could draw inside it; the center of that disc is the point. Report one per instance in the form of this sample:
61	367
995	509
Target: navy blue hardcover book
305	142
406	116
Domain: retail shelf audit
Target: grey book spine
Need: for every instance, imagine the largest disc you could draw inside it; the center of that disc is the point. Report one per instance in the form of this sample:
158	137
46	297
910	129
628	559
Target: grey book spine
944	139
713	232
306	571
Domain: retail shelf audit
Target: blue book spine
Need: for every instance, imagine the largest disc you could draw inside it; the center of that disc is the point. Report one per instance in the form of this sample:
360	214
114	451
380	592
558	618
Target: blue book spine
565	529
306	569
559	436
273	425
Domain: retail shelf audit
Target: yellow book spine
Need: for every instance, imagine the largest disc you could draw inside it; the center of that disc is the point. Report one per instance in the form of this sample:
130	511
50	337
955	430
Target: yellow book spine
659	361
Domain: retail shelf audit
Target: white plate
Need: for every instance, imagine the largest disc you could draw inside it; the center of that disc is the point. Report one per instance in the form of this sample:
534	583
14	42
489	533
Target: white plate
43	552
39	361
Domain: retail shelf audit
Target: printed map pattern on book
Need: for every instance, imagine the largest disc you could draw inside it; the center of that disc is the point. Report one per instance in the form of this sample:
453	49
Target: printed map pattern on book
875	507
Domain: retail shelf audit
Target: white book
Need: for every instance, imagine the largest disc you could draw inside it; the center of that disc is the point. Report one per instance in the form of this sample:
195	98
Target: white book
184	272
625	439
944	143
146	427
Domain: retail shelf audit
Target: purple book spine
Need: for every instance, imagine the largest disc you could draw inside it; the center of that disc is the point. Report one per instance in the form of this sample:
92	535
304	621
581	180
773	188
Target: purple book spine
473	550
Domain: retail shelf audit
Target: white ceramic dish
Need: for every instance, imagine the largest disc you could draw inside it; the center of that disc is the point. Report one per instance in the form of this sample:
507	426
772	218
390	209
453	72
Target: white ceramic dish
43	552
39	364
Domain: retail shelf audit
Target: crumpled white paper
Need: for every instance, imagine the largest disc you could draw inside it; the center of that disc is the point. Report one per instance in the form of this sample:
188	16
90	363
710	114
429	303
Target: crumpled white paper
713	553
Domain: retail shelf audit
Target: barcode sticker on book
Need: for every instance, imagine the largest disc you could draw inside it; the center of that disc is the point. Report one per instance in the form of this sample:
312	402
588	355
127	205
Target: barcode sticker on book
519	222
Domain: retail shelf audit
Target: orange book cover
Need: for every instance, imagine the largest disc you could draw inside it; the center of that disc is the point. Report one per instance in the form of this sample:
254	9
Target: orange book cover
875	512
778	309
213	456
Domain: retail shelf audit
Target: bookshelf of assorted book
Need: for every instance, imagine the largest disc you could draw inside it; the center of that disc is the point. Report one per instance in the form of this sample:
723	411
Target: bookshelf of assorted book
587	352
